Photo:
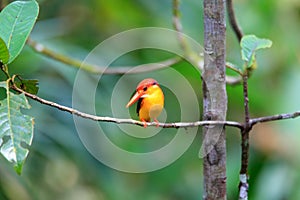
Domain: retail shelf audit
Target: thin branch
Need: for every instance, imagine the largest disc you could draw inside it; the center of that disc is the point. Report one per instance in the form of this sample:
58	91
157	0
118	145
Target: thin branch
233	80
178	26
246	100
232	20
39	48
243	186
125	121
255	121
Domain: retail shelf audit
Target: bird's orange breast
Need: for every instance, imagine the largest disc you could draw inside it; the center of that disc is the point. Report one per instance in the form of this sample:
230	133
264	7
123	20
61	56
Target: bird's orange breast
151	104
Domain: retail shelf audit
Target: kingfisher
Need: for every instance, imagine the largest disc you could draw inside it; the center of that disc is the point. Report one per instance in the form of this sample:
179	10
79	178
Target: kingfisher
150	99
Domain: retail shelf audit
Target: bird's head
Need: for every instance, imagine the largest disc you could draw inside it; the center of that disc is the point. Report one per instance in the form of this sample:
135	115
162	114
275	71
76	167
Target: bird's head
145	88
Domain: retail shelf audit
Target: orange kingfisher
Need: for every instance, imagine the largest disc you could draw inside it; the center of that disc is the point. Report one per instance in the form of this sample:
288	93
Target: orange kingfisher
150	99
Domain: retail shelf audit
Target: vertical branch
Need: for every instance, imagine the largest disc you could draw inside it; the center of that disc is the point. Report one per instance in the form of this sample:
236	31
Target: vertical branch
243	186
232	20
246	100
178	26
214	100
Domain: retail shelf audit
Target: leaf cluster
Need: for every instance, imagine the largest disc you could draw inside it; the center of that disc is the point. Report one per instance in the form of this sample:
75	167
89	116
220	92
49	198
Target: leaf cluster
17	20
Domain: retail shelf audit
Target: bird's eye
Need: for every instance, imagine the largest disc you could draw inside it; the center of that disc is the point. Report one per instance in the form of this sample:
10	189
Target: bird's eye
154	83
145	88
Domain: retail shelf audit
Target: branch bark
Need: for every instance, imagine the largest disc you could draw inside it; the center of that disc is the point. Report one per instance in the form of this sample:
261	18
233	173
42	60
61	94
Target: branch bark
124	121
239	125
243	186
214	100
248	124
293	115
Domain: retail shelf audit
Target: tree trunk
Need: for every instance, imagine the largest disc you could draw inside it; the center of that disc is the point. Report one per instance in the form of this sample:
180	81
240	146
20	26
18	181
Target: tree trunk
214	100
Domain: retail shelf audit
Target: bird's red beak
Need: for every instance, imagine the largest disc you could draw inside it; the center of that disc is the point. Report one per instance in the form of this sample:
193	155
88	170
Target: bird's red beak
135	97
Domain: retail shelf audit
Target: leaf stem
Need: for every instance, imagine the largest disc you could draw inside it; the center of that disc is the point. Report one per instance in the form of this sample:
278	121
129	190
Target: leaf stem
233	68
4	69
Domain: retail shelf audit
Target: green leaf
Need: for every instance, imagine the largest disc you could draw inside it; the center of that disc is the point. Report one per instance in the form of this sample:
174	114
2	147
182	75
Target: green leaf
250	44
17	20
4	55
28	85
16	129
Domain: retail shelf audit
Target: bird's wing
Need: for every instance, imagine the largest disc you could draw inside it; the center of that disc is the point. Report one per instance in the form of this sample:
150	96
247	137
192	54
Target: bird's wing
138	106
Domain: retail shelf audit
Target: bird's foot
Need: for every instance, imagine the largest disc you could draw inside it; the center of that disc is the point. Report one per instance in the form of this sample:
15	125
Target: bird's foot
157	123
145	123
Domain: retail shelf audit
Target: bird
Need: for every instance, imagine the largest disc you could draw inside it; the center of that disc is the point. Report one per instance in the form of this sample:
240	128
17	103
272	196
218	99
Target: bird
150	99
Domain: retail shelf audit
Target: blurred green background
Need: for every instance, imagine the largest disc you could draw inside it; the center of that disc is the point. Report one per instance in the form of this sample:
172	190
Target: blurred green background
59	166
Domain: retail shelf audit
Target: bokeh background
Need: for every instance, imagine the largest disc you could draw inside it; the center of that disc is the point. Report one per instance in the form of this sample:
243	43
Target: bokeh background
59	166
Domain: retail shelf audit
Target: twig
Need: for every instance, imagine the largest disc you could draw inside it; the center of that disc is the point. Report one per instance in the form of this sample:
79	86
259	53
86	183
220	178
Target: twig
39	48
178	26
239	34
125	121
233	80
252	123
274	118
232	20
243	186
246	100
